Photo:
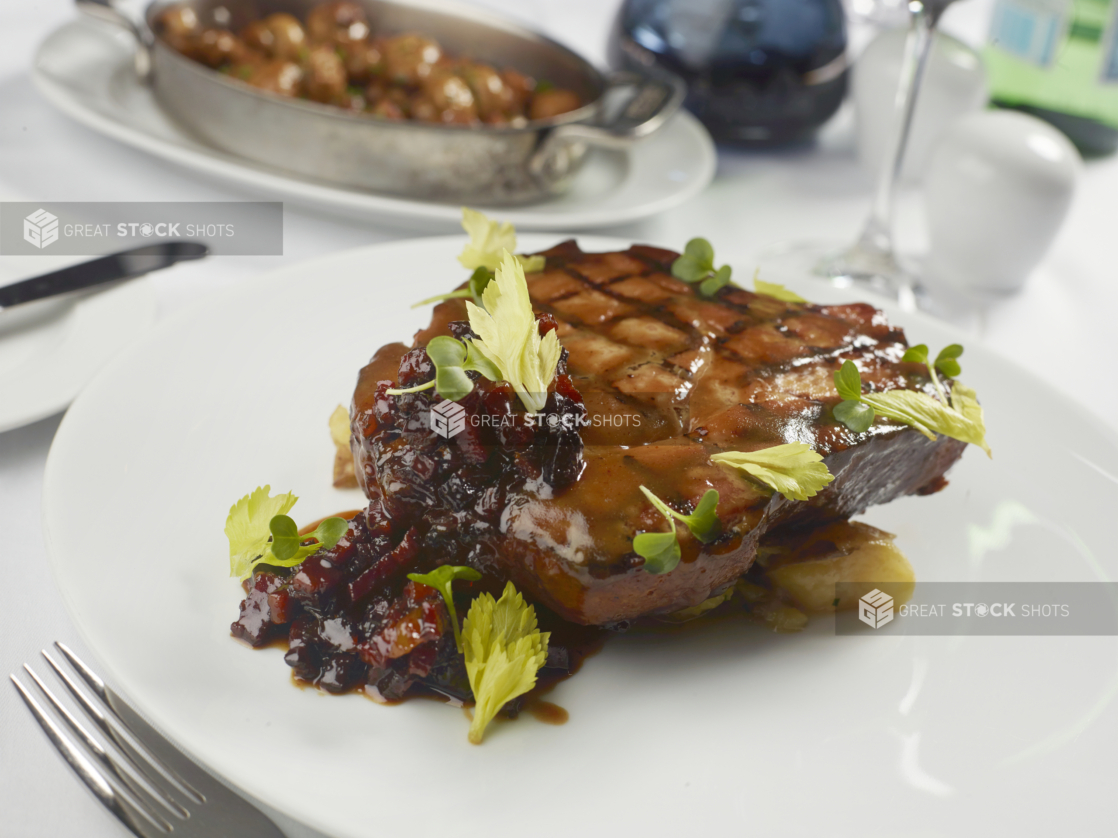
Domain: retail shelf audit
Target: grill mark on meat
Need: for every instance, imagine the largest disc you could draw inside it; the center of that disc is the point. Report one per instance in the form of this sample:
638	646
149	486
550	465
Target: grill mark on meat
741	372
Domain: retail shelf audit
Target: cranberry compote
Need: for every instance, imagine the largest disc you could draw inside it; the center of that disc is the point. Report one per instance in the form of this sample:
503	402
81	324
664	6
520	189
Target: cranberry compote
437	474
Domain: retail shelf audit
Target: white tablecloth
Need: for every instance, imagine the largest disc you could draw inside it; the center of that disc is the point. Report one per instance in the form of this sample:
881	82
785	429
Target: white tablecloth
1060	326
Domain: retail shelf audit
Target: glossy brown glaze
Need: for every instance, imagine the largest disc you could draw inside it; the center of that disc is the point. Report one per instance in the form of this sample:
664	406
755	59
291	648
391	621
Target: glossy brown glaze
669	378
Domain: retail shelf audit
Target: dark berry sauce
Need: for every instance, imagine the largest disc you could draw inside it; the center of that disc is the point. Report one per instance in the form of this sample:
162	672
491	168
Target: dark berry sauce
350	616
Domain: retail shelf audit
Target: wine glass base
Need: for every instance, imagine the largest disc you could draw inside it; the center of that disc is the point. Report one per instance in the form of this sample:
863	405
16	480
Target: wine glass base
878	273
886	278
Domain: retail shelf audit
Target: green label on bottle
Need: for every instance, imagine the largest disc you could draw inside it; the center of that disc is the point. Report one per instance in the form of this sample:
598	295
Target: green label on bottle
1110	55
1032	30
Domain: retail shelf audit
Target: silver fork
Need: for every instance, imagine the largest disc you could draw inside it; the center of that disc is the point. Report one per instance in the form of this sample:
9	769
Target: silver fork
151	786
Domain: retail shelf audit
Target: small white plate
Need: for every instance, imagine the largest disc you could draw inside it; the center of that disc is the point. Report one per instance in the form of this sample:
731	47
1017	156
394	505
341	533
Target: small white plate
85	70
721	730
50	349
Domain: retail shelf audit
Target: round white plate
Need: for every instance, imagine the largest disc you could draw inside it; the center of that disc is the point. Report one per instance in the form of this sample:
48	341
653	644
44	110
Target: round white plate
721	730
50	349
85	69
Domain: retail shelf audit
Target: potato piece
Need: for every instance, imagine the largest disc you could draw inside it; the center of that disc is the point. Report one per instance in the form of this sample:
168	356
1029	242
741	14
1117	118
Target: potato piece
324	77
179	26
781	618
337	23
450	96
843	552
217	47
278	35
766	606
409	58
281	77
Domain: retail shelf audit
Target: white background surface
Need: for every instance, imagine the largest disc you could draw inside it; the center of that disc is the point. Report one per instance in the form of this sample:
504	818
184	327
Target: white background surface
1060	326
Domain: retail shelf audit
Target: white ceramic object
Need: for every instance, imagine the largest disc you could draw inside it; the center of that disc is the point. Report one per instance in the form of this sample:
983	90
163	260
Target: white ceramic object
723	729
51	348
84	68
878	12
955	85
997	190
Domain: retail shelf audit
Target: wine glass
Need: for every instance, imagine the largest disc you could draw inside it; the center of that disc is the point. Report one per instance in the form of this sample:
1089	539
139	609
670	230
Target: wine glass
871	261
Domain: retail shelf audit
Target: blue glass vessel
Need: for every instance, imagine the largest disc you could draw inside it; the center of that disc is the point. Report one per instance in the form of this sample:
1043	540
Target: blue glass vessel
758	71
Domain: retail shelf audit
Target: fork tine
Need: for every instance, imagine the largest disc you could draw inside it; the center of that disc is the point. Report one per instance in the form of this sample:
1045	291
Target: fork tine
147	801
119	739
134	819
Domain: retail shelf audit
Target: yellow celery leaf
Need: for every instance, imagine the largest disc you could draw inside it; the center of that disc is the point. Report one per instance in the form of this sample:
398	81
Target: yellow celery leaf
488	238
775	290
247	528
504	650
965	401
931	416
793	469
509	338
339	426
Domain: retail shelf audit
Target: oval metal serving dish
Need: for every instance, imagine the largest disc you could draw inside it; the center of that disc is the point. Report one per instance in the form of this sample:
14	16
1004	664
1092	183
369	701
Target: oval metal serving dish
478	164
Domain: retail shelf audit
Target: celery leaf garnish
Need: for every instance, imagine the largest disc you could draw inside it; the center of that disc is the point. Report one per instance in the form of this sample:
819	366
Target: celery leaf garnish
504	649
260	532
488	240
247	527
509	337
794	470
660	550
962	419
775	290
442	580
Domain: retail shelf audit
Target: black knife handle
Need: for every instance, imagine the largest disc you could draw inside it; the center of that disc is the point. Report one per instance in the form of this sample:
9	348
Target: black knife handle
116	266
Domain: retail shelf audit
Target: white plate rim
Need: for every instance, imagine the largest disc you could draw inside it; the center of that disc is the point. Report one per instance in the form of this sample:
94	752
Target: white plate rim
291	272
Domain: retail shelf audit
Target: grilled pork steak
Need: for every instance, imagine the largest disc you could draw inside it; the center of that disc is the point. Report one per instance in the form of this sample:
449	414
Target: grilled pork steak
656	379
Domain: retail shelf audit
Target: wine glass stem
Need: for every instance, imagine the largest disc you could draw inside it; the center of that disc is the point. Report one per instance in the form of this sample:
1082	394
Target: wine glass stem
877	235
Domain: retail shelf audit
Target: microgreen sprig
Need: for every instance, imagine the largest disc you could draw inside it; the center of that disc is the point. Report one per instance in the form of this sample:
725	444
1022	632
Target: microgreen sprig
260	532
696	264
660	550
442	580
452	359
287	542
852	411
946	362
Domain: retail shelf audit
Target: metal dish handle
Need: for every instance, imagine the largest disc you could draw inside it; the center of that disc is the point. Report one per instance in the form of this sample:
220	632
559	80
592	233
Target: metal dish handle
111	12
634	106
